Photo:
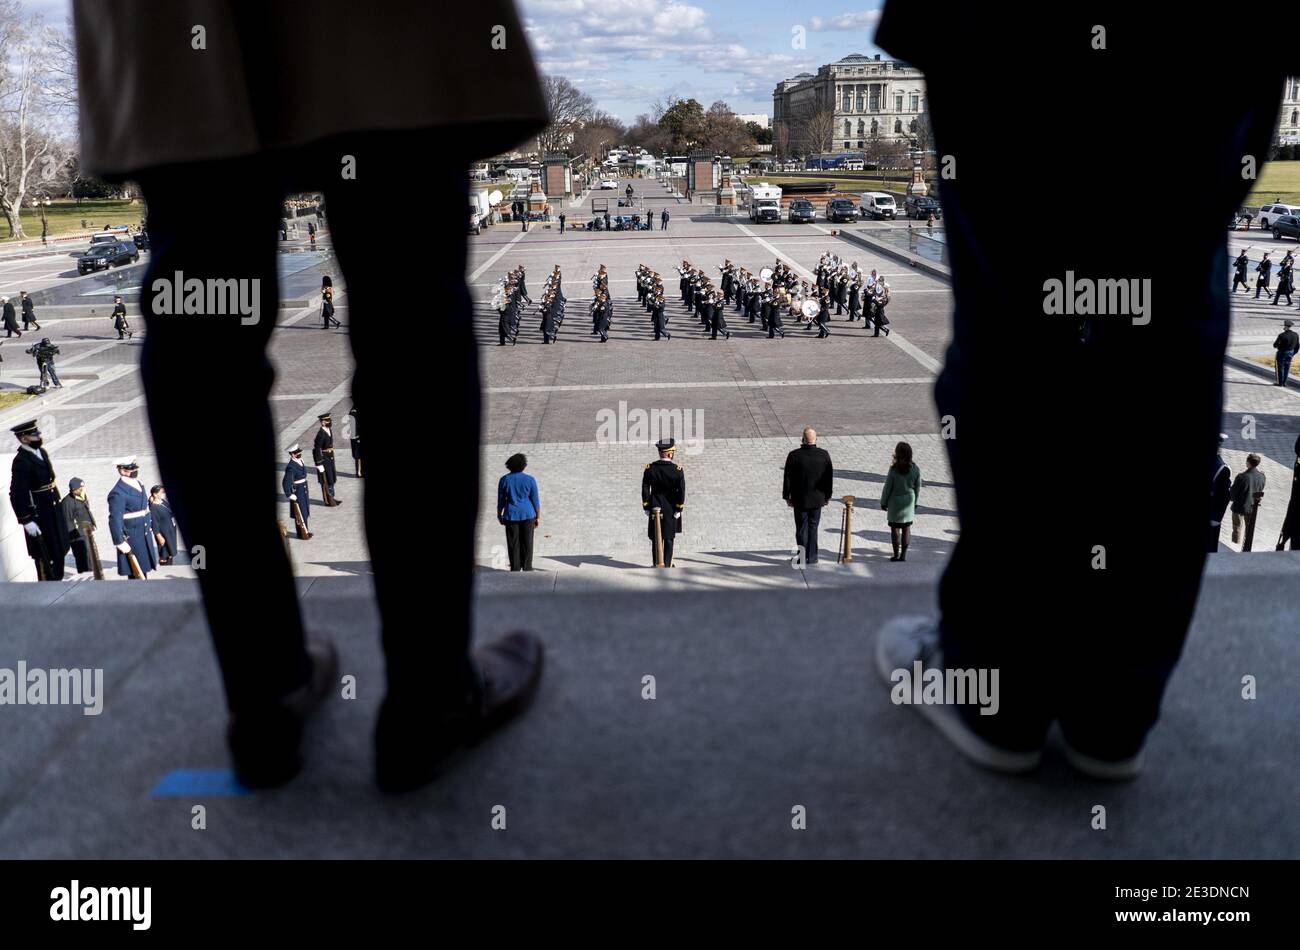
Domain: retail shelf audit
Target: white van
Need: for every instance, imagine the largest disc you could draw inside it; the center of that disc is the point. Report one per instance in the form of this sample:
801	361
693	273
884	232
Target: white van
877	204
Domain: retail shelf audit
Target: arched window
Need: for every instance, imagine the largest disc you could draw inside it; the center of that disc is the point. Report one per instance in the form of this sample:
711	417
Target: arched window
848	127
898	126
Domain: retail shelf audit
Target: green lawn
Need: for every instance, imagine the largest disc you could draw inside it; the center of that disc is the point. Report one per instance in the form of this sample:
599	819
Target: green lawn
66	215
1278	181
8	399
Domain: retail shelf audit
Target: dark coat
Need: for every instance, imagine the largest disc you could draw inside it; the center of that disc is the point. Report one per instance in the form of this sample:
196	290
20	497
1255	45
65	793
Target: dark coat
164	523
34	497
123	500
663	486
10	318
809	477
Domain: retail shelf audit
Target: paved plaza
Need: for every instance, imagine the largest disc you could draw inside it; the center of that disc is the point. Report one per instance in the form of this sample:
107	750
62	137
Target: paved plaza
571	407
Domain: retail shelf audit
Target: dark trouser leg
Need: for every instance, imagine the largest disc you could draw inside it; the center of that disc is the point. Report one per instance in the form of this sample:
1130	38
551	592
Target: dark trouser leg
429	669
81	552
246	577
669	536
512	545
814	517
526	544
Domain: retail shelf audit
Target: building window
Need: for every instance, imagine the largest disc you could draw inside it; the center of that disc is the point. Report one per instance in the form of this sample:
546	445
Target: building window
898	103
859	143
875	100
861	102
916	103
846	144
898	126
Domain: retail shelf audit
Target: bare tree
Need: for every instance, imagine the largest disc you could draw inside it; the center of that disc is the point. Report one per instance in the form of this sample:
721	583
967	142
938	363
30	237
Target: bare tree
817	130
598	134
28	154
781	141
61	78
569	108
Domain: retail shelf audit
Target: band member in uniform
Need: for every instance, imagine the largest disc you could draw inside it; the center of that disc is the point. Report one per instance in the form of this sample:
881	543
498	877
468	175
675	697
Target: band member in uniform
823	315
855	299
164	525
35	500
882	300
81	528
130	523
29	311
327	305
294	483
322	454
356	441
663	486
120	323
660	321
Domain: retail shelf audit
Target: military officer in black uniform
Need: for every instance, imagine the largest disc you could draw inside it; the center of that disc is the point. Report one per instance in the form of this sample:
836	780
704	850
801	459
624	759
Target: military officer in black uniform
663	486
36	502
322	453
120	323
356	441
294	484
29	311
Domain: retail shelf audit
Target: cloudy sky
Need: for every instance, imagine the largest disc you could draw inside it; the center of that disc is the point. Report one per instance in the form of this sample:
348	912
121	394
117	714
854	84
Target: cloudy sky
628	53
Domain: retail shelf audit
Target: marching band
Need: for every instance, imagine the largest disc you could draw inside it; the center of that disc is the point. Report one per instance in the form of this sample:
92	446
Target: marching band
763	298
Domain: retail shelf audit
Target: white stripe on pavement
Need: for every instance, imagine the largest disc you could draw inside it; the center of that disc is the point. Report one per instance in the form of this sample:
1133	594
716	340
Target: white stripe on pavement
714	384
497	256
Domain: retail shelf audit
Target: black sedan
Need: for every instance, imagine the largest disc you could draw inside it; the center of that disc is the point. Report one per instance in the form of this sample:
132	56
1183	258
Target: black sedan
921	207
106	254
841	209
802	211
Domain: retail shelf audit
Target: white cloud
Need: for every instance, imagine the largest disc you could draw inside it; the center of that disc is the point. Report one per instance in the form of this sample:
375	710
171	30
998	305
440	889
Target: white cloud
862	20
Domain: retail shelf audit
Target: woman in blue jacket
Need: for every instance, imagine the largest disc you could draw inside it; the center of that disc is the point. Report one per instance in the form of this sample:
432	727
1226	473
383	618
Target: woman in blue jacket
520	510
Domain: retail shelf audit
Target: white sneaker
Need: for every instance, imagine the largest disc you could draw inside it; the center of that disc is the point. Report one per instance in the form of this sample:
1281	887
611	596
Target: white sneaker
1105	770
904	640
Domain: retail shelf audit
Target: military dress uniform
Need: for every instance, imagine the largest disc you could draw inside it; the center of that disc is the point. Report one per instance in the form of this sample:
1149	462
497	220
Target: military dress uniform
356	441
663	486
322	453
130	522
35	499
294	483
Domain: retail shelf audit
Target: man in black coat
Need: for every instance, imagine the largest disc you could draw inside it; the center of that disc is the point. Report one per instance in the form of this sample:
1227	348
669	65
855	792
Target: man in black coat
1240	265
35	500
1286	344
10	319
809	482
663	486
1220	495
1265	268
29	312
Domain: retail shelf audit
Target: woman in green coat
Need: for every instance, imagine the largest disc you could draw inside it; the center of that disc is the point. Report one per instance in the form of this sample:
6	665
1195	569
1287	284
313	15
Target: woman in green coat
899	497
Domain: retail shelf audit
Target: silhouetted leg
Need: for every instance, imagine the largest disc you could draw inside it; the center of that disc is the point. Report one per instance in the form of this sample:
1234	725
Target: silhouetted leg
203	372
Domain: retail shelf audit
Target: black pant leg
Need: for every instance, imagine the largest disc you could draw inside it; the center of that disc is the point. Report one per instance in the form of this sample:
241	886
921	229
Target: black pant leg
426	669
81	552
526	545
233	519
512	545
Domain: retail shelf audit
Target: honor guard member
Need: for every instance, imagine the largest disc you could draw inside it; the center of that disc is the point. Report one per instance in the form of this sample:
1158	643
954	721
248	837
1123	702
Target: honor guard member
119	319
295	483
29	311
322	453
164	525
81	526
356	441
36	503
1241	264
130	523
663	486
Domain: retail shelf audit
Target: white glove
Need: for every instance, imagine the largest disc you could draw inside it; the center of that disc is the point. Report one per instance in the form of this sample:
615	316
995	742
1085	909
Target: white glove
124	548
33	529
320	468
677	515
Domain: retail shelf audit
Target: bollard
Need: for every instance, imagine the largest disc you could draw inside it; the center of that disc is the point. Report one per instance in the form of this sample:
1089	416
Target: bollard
659	536
846	542
1249	540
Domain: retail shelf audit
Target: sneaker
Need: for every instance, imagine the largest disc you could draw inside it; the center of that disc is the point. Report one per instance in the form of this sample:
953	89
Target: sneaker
1107	770
904	640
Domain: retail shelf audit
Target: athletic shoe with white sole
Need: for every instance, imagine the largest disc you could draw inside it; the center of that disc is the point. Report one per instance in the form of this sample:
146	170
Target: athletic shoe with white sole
904	640
1107	770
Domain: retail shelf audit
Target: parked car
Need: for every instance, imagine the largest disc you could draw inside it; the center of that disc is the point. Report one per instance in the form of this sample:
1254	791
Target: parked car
802	211
102	255
878	204
841	209
1270	213
608	183
921	207
1288	225
106	237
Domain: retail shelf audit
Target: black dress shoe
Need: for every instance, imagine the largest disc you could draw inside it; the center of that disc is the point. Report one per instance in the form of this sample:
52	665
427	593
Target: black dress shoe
264	744
411	745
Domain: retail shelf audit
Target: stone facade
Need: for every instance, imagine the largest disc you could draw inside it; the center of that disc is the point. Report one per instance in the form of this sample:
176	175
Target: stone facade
870	97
